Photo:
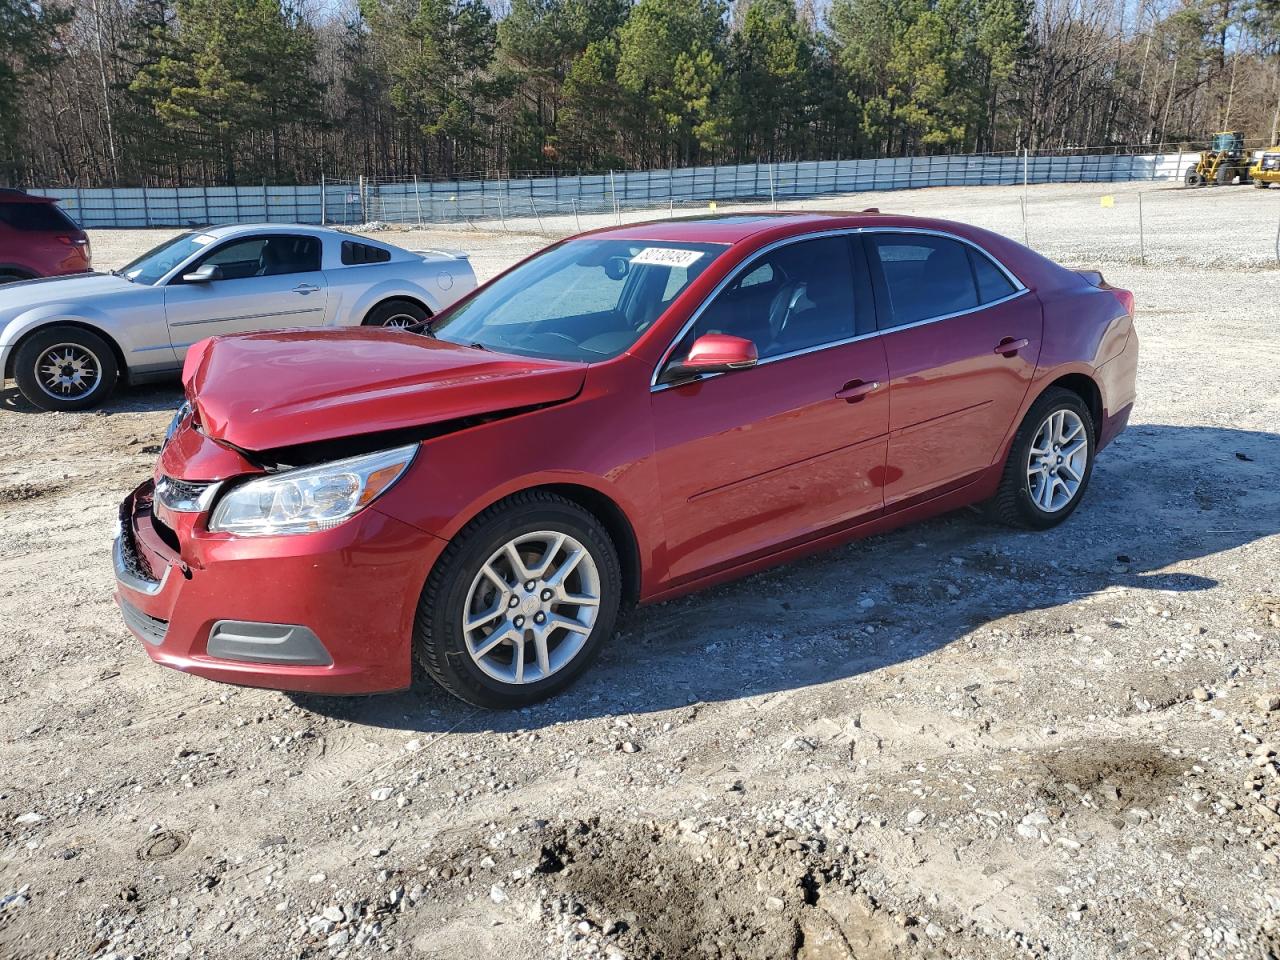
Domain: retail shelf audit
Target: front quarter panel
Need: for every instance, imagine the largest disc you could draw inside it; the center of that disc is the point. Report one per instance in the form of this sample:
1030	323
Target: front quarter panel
456	476
134	320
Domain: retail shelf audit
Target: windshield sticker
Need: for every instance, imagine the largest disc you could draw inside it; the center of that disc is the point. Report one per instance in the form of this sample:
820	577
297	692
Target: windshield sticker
201	239
667	257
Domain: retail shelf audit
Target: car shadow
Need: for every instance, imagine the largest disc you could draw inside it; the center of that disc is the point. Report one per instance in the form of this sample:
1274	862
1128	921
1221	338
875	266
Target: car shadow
150	398
1162	498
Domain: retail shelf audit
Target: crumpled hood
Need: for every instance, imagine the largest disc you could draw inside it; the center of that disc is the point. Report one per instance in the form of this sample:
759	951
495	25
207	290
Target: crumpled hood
265	391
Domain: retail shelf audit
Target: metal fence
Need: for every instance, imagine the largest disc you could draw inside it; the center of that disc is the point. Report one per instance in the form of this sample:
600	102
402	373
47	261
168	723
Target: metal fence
424	201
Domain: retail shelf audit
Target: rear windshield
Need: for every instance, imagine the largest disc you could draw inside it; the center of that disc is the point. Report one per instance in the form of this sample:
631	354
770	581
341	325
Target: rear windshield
35	216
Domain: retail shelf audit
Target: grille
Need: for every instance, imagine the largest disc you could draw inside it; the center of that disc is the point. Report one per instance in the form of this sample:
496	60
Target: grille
150	629
183	496
133	561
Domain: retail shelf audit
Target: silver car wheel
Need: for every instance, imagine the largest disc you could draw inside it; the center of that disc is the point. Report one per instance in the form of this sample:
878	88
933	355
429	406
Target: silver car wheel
400	320
1057	460
68	371
531	608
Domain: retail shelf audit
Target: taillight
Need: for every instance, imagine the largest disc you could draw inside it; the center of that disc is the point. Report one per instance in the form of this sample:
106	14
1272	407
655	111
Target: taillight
1125	297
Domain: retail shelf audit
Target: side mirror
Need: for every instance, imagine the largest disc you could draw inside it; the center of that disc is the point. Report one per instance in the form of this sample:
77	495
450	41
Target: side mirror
713	353
204	274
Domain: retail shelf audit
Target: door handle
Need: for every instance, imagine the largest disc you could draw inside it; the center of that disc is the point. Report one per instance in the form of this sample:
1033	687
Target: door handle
855	390
305	288
1009	347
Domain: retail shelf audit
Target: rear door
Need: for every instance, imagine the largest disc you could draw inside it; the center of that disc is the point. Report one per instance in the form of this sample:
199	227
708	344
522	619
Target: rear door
961	336
269	282
752	460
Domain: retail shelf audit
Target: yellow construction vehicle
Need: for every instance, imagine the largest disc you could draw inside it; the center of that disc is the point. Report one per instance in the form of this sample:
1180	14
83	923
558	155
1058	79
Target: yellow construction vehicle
1222	163
1266	169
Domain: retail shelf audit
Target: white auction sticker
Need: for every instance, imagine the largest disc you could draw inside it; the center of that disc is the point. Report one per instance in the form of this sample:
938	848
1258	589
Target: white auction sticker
667	257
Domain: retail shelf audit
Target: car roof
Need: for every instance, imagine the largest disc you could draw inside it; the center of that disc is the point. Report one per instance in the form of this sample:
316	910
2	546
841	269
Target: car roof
238	229
12	195
733	228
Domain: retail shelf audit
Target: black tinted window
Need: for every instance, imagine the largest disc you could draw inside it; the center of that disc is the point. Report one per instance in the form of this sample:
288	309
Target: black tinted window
798	296
926	276
992	283
356	253
35	216
265	257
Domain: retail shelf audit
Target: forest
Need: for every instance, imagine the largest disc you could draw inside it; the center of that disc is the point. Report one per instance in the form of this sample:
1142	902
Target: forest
225	92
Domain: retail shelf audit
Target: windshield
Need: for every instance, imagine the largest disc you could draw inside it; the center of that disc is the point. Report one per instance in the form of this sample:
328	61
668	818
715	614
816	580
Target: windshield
158	261
584	300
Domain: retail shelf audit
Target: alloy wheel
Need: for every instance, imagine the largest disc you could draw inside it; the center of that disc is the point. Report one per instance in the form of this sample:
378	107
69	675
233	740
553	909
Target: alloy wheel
68	371
400	320
1057	460
531	607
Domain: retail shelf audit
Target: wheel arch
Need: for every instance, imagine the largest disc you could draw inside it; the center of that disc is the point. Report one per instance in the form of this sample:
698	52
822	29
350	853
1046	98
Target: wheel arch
1086	388
596	502
392	298
10	358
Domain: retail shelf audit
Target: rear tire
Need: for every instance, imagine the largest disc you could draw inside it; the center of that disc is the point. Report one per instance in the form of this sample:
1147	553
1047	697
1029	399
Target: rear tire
1226	175
1033	491
396	313
464	614
65	369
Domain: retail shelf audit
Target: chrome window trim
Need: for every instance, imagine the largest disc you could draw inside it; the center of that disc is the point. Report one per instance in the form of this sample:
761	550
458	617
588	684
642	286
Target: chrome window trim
1019	289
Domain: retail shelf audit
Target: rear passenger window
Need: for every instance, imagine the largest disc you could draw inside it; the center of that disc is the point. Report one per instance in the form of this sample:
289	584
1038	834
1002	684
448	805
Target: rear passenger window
357	253
992	283
34	217
926	276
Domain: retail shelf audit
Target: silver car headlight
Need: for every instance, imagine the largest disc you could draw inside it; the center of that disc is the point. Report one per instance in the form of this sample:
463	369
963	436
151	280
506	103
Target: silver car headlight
311	498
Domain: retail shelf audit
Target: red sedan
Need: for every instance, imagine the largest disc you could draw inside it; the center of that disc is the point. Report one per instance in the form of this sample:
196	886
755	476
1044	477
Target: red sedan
626	416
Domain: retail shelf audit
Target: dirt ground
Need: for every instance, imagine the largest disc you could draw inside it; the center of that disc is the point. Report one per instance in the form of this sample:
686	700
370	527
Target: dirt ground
950	741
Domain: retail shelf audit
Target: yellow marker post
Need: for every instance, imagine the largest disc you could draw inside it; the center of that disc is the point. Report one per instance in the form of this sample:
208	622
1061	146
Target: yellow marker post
1108	201
712	206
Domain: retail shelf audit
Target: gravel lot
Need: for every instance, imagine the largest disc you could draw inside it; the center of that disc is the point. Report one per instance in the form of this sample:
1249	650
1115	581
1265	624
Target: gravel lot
951	741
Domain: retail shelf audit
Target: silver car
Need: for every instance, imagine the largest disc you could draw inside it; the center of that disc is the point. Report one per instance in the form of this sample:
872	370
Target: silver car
67	341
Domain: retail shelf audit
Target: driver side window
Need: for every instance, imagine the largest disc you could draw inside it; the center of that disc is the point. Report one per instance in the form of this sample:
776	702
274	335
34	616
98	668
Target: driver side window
265	257
794	298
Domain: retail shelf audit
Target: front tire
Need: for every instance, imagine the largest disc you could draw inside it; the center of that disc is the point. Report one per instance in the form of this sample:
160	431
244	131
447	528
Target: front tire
1049	465
396	314
65	369
520	602
1193	177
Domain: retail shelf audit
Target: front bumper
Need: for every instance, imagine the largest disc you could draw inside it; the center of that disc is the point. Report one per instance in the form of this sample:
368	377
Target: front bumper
276	608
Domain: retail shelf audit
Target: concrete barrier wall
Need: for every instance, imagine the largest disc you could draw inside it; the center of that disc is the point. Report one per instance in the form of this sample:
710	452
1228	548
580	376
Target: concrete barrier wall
454	200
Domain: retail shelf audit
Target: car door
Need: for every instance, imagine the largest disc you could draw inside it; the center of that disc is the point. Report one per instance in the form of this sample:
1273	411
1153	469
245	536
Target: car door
268	281
751	460
962	337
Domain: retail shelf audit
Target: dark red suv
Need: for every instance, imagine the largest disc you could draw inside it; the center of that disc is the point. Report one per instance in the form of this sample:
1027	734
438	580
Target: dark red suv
37	239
